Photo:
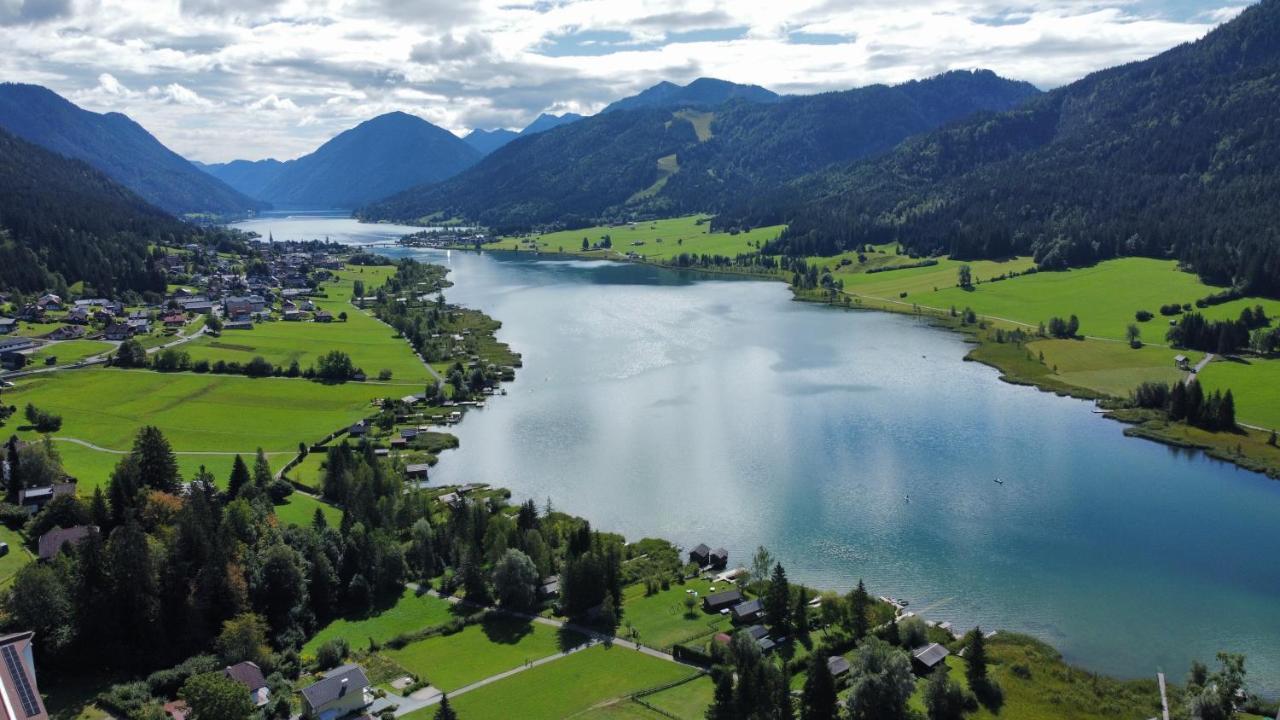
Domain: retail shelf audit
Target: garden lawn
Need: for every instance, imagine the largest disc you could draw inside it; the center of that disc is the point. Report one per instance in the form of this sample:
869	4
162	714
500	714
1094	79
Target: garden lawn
1255	385
501	643
687	701
223	413
1110	367
309	472
661	619
70	351
411	612
17	557
565	687
300	509
677	235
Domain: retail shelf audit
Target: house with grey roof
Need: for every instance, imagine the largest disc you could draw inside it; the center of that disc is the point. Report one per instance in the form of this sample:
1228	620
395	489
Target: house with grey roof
927	657
53	542
342	692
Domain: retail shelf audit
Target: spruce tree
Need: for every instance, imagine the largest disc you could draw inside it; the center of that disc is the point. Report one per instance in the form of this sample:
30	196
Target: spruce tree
239	478
777	601
157	465
818	699
261	471
800	616
976	657
859	604
444	711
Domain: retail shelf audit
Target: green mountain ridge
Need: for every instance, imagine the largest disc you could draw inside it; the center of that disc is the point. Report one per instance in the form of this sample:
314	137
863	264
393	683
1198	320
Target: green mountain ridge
608	166
1175	156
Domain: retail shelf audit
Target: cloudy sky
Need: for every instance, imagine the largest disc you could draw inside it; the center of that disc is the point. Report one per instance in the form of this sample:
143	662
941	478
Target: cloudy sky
223	79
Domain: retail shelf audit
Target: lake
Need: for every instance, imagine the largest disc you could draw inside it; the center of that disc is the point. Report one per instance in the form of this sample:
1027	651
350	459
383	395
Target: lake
860	445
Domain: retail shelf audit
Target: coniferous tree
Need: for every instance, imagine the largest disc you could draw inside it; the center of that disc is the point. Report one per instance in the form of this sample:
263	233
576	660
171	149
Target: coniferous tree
859	605
445	711
818	700
240	478
976	658
777	601
800	616
157	465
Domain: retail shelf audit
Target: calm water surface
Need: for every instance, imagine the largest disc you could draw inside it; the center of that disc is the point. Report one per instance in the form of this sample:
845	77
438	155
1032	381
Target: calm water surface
859	445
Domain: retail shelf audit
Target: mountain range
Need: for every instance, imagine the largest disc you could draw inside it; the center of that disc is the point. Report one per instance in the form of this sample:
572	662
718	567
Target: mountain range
1175	156
661	156
371	160
703	92
120	148
486	141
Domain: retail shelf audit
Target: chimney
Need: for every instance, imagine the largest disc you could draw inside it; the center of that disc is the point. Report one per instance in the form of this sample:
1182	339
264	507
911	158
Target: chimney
343	691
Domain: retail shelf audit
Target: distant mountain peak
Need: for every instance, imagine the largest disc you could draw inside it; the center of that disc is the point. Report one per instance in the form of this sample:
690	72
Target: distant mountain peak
702	92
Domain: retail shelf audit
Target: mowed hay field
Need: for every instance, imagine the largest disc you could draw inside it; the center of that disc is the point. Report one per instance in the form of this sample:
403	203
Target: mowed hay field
92	468
412	612
1109	367
1105	297
496	645
662	239
566	687
372	345
106	407
1255	386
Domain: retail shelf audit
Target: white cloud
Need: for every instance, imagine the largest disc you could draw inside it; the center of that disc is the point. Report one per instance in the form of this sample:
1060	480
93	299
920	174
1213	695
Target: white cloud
299	71
177	94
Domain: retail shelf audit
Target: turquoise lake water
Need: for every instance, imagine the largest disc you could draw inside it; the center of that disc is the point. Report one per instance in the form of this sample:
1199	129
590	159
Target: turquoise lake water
860	445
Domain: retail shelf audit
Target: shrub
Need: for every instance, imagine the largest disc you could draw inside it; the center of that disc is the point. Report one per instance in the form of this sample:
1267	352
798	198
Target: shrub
12	516
279	490
331	654
1143	315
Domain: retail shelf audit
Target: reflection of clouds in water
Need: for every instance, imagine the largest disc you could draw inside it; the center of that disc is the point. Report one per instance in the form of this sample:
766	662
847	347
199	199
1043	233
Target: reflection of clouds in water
825	388
677	401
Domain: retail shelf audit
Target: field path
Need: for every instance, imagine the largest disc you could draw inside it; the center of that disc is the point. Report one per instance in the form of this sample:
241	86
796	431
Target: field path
91	446
409	704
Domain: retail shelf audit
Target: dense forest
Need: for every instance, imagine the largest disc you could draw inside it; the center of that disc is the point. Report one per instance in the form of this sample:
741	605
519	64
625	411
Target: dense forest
120	148
607	166
1175	156
63	222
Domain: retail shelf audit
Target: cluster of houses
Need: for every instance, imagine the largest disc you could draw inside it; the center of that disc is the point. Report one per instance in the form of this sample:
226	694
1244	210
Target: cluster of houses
748	615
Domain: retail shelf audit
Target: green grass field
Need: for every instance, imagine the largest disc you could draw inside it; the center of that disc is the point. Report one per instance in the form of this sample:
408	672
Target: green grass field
93	467
411	612
1256	387
70	351
1104	297
687	701
499	644
300	509
308	472
372	345
1110	367
661	239
106	407
661	619
1054	691
567	687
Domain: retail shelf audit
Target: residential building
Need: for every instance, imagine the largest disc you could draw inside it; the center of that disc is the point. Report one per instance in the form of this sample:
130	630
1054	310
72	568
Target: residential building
342	692
724	600
250	675
19	695
52	542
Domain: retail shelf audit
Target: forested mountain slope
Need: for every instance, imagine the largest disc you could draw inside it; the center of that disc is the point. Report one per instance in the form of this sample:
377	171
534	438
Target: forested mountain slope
663	161
1176	156
119	147
59	215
